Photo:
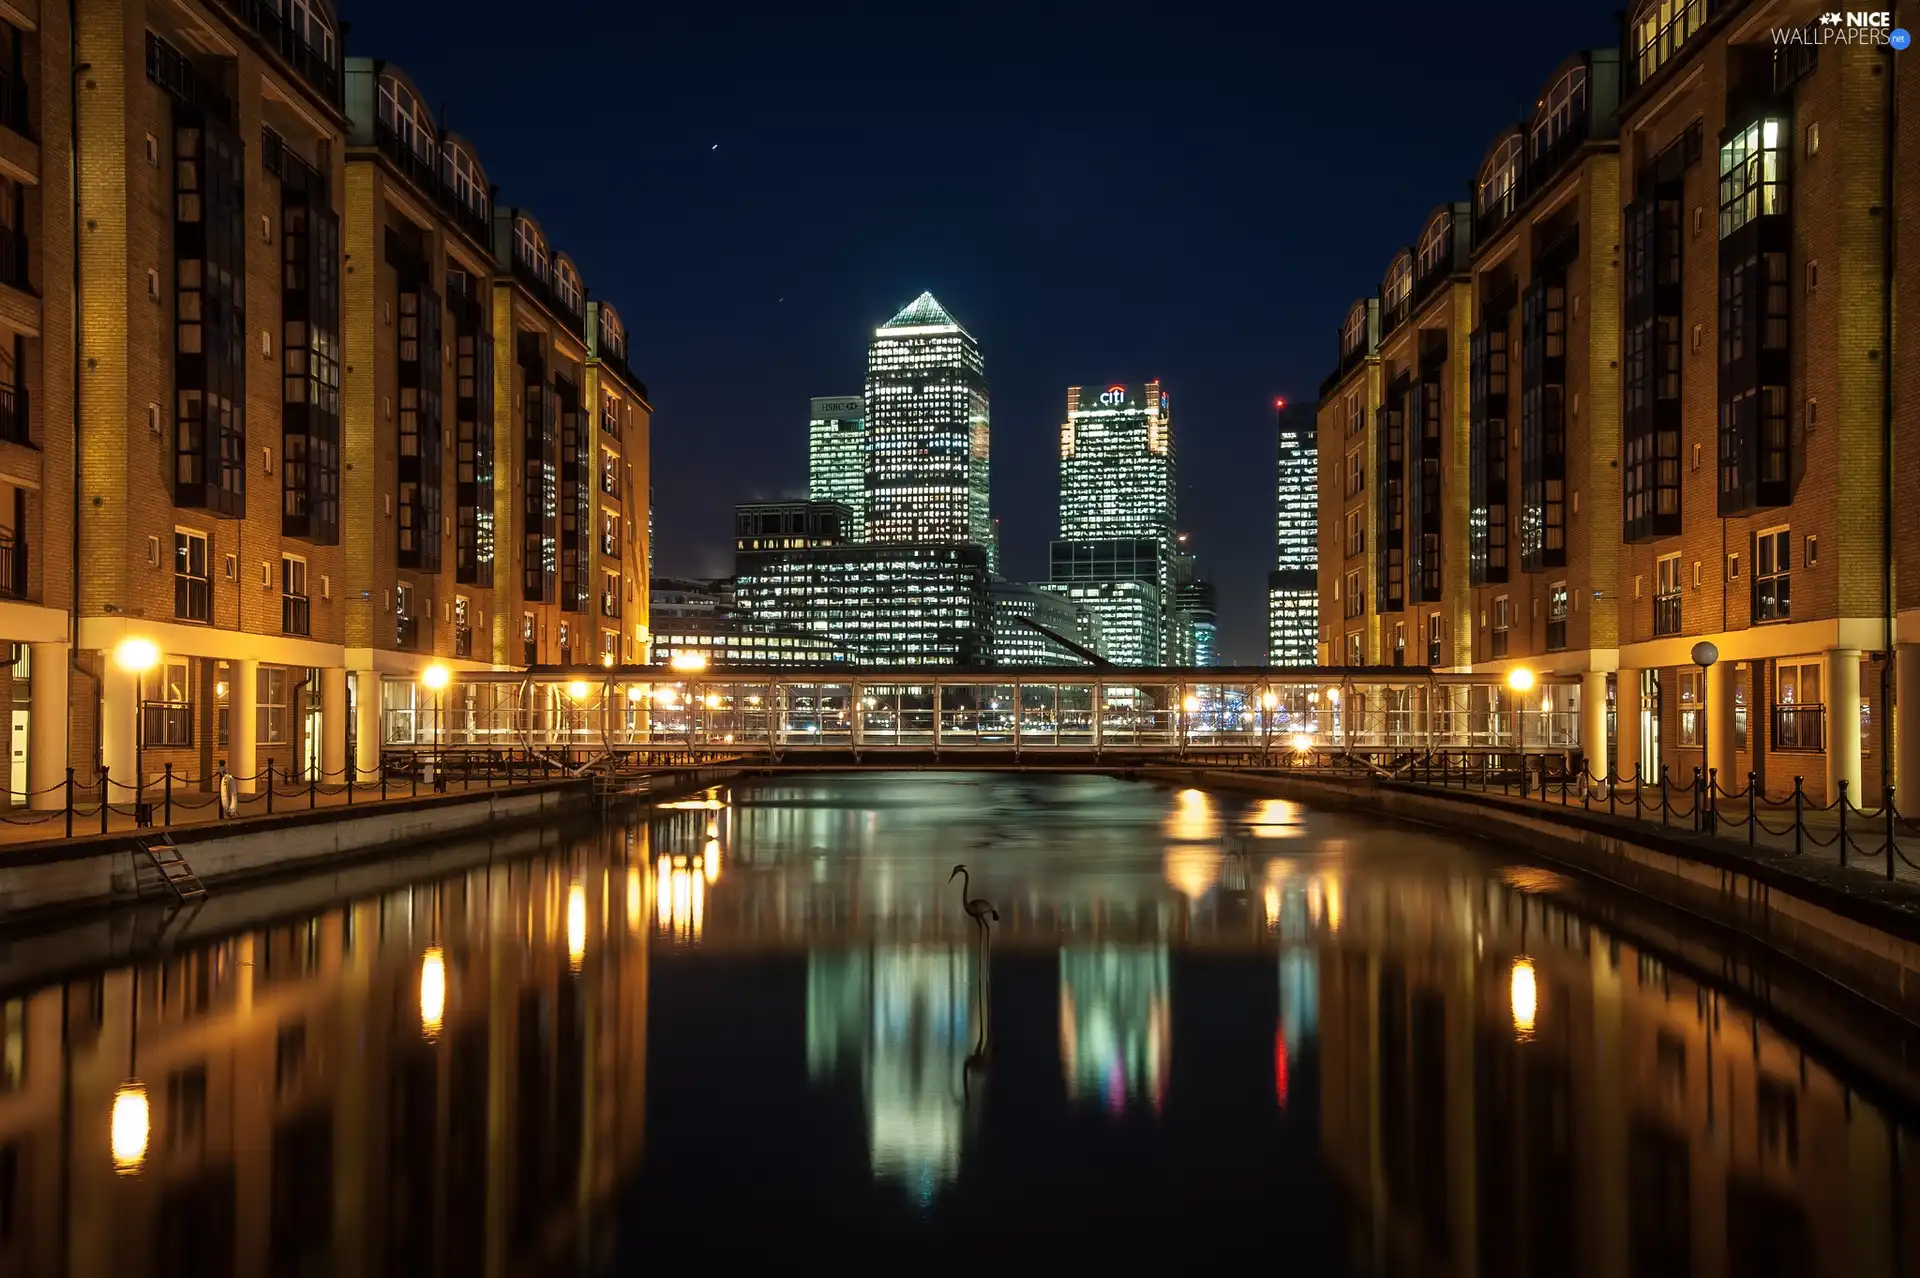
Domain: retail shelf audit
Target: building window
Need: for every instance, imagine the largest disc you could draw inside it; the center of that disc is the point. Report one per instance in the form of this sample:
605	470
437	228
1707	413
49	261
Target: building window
1752	176
272	715
1355	600
473	426
1487	452
610	536
1499	184
295	607
1772	575
530	249
1812	551
1557	617
1502	625
406	628
1691	731
309	356
610	594
1356	417
1799	710
1356	533
609	473
407	119
210	330
420	442
1543	423
1651	355
13	390
529	640
192	584
168	709
469	181
609	646
1397	289
1354	653
1355	331
308	22
462	628
566	287
1433	638
1436	245
1563	108
1666	596
1658	29
1356	473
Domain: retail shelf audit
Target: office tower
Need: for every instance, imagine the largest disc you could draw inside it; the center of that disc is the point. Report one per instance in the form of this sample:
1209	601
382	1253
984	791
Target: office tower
893	604
837	456
701	618
1200	611
1018	644
763	528
1293	593
926	431
1117	509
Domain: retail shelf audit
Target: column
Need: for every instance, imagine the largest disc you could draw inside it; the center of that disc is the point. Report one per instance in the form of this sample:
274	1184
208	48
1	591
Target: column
243	700
1626	743
1906	724
1593	723
118	725
1843	723
47	735
366	726
1720	752
333	725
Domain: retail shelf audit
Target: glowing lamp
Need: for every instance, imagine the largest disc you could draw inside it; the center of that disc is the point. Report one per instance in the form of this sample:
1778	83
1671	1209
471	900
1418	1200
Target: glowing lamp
1301	742
1520	679
579	689
435	677
688	661
136	656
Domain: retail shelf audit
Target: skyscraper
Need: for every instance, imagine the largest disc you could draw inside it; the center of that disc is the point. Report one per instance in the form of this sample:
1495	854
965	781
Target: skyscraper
926	430
1116	549
1293	592
1200	610
837	456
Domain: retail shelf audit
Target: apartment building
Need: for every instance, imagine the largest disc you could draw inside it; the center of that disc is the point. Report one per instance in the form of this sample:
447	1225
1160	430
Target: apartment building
289	325
1678	400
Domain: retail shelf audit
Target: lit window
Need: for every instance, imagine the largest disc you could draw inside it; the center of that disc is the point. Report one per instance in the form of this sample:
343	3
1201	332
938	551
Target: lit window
566	283
1659	28
530	248
1772	576
1436	244
1499	183
1398	286
1355	330
1752	176
1564	107
403	114
469	180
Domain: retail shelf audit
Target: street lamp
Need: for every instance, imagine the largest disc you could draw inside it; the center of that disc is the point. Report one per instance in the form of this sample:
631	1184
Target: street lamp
137	656
688	661
1704	655
1520	681
435	679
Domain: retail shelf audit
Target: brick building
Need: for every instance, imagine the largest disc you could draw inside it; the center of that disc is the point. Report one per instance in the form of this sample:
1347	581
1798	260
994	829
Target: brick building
250	407
1678	420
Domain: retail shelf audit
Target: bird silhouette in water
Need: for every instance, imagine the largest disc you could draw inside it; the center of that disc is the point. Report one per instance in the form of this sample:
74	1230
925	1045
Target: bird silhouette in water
980	908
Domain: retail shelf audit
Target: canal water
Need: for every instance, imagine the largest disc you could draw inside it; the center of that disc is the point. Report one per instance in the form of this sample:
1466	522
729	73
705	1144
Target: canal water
758	1027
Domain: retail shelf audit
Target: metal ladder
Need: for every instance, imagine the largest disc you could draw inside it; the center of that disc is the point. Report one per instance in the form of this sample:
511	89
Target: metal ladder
174	871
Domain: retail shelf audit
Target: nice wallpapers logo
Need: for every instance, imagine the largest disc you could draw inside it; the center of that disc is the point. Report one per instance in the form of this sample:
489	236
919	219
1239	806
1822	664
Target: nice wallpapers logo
1867	27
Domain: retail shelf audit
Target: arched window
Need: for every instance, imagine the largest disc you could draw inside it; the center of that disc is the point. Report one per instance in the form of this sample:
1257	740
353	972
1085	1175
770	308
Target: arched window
1500	179
311	23
1564	106
468	180
1397	287
1658	29
403	112
1436	244
1356	329
566	284
613	337
530	247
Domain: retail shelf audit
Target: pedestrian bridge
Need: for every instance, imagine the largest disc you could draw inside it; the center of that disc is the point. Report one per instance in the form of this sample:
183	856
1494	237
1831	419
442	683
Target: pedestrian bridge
1029	714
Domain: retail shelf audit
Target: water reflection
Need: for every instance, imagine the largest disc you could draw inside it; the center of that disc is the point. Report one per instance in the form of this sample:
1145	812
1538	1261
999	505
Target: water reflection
1400	1054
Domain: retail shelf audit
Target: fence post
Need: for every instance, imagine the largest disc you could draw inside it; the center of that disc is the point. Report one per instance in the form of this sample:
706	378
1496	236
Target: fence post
166	796
1753	833
382	765
269	787
69	803
1612	778
1886	810
413	775
1697	781
106	796
313	788
1843	823
1665	800
1799	828
352	771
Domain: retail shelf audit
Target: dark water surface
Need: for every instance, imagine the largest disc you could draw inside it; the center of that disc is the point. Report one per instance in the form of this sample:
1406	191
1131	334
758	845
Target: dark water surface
751	1031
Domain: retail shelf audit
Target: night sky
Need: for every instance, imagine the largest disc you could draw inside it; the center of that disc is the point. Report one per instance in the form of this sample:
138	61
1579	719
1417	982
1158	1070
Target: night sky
1182	194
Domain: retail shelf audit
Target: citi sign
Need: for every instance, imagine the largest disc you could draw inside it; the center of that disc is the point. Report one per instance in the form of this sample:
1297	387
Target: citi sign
1113	397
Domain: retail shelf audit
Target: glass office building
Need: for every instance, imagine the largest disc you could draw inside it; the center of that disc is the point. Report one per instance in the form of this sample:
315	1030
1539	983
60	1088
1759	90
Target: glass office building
761	528
837	456
1117	548
1117	579
1199	607
926	435
892	605
1016	643
1293	588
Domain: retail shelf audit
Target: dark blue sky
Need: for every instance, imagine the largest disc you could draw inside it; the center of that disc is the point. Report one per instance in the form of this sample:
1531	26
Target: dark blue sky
1192	195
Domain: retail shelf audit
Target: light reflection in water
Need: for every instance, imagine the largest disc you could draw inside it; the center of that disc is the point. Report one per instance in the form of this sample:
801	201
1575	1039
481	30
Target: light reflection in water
900	1016
1523	996
576	924
433	992
1115	1024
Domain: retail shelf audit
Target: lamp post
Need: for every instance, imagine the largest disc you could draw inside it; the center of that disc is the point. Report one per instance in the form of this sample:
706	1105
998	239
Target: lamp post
435	679
1520	680
137	656
1704	655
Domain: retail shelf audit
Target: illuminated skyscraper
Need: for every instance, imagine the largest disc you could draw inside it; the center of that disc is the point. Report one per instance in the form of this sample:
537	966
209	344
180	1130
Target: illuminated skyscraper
837	456
1115	554
1293	590
926	430
1200	612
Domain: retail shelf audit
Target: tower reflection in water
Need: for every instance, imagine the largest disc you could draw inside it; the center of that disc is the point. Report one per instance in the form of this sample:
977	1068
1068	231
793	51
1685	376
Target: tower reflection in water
1115	1025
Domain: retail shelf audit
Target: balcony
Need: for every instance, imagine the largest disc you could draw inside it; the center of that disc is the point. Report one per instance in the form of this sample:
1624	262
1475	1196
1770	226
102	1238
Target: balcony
13	414
1800	727
1666	614
13	259
13	565
543	290
13	104
420	169
264	17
